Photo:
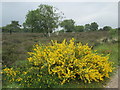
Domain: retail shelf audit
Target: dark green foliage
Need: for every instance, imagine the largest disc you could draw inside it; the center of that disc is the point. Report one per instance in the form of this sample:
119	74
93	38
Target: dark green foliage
68	25
100	29
13	27
87	27
79	28
107	28
91	27
94	26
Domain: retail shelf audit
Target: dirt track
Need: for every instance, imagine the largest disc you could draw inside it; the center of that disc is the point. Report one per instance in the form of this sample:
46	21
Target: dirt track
113	83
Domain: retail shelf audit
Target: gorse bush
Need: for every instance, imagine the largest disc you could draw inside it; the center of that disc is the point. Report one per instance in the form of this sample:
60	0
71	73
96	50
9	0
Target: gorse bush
70	61
62	62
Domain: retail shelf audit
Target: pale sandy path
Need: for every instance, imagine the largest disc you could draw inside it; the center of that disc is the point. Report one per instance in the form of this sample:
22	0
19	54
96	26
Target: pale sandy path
113	83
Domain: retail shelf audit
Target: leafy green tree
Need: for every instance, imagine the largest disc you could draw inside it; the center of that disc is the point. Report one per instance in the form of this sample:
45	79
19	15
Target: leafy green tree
25	28
13	27
87	27
107	28
6	28
68	25
44	19
94	26
79	28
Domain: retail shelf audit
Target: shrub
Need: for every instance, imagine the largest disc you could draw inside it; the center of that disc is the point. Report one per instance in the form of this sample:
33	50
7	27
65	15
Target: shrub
49	64
70	61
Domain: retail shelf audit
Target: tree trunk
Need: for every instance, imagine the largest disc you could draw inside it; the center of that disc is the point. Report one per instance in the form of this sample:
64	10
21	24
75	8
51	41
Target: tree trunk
32	30
10	31
49	34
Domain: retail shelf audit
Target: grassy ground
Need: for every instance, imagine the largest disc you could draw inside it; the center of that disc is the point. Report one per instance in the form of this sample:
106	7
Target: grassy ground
16	46
109	48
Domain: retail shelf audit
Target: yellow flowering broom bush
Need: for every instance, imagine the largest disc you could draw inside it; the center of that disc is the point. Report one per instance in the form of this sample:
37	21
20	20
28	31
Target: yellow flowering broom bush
71	61
66	61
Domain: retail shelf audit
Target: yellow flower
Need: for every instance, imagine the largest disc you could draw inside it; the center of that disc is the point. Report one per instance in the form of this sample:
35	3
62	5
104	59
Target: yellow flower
24	73
19	79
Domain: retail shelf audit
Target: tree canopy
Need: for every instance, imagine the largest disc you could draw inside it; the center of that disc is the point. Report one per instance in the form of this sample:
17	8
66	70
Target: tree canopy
107	28
44	19
87	27
13	27
79	28
94	26
68	25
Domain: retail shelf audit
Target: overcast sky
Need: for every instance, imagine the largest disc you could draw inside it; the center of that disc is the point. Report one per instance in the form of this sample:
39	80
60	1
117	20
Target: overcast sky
104	13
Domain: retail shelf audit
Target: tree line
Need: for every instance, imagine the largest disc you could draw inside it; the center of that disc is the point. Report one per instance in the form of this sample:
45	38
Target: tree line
46	19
